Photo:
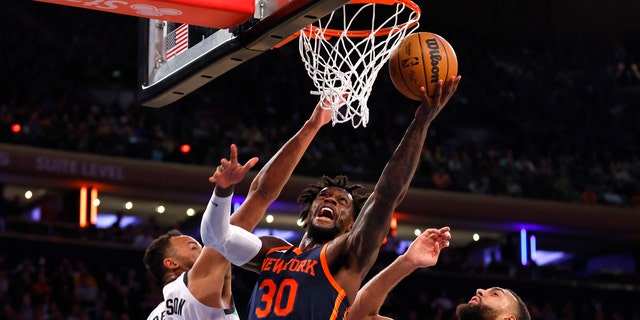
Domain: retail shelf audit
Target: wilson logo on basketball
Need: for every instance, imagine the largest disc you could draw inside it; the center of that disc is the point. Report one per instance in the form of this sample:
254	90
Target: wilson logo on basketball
434	55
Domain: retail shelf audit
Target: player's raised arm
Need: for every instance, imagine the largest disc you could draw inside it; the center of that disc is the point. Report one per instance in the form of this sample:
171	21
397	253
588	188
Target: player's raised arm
423	252
372	224
269	182
236	244
199	278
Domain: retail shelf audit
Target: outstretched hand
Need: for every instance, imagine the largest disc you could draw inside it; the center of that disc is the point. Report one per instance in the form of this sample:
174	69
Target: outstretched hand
230	172
322	114
425	250
431	106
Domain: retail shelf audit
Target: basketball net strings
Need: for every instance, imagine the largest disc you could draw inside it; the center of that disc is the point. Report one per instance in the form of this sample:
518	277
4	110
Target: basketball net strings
344	68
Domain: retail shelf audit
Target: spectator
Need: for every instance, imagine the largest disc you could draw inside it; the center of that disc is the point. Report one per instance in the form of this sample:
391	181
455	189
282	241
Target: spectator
85	285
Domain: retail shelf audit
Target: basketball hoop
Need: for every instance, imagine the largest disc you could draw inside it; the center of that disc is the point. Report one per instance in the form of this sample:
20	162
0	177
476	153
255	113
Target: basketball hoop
344	52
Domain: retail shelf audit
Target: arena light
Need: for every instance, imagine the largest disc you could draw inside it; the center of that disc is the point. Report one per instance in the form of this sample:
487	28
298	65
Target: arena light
394	223
107	220
532	245
524	259
545	257
393	227
93	210
83	207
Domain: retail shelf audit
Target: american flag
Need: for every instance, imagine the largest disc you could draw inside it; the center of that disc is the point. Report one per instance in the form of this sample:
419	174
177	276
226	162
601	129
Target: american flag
177	41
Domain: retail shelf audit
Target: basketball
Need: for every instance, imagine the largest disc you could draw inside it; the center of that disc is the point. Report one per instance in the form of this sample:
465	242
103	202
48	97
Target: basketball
419	61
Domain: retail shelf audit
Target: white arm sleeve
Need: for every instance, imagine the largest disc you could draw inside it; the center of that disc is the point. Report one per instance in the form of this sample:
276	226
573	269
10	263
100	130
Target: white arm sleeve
234	243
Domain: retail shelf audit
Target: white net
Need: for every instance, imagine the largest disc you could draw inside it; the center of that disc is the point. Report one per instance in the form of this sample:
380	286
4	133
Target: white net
344	52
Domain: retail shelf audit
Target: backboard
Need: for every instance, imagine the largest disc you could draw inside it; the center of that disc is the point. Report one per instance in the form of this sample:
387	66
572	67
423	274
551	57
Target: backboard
169	72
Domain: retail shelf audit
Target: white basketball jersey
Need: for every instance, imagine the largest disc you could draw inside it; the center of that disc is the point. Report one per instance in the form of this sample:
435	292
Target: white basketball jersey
179	304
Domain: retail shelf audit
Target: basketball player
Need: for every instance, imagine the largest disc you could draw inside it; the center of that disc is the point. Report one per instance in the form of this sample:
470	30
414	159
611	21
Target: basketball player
197	280
493	304
423	252
488	304
320	277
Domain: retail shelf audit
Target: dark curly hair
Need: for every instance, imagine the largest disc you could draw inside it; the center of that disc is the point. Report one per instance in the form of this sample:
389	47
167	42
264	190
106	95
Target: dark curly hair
155	254
311	192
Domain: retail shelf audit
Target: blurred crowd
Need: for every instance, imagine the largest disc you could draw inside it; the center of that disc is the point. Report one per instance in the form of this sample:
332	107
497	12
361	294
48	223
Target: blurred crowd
49	279
533	118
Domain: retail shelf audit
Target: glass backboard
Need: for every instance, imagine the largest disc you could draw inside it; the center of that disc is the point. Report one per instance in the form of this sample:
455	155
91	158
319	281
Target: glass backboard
165	77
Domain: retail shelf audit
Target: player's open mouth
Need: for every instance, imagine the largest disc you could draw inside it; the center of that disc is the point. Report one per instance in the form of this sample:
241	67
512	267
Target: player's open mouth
474	300
326	213
325	219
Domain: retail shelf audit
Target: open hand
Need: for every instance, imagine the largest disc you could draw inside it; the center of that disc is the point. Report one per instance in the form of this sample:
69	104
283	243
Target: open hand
323	112
230	172
425	250
431	106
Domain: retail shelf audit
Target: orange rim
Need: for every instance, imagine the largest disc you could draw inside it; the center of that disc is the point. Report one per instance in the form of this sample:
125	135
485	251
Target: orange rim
311	29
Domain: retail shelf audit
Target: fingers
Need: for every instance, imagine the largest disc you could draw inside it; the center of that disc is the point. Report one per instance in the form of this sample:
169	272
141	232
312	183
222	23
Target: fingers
252	162
440	236
443	89
451	86
233	164
431	230
233	158
438	92
425	97
442	230
226	164
445	232
230	172
216	174
233	153
456	82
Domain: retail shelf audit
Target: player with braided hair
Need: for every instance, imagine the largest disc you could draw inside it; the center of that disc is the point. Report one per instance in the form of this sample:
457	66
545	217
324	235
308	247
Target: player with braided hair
309	194
320	277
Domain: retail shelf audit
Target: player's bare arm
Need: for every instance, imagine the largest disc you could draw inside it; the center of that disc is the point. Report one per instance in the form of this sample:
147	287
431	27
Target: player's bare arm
361	245
423	252
269	182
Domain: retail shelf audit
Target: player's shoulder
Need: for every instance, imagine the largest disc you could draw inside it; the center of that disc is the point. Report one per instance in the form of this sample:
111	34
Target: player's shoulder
271	242
157	313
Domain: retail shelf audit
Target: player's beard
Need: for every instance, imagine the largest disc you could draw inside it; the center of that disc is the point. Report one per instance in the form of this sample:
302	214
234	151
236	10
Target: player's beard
322	235
480	311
